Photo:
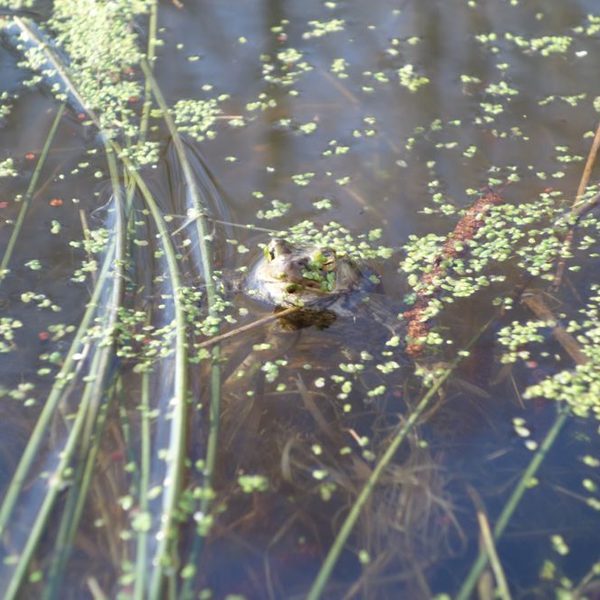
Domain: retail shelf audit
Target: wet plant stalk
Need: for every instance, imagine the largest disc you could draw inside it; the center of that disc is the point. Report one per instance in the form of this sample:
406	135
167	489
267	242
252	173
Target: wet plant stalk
348	525
201	222
177	437
575	352
95	389
80	425
215	374
75	499
244	328
85	425
30	30
44	512
176	450
583	183
508	510
142	535
29	194
150	54
56	395
589	164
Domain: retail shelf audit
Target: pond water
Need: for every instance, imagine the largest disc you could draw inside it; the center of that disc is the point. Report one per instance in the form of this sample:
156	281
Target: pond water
385	119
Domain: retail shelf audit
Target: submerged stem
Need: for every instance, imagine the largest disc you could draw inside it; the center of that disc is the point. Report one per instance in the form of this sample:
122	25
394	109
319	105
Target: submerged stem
150	53
176	453
488	543
348	525
142	535
93	392
211	293
86	414
37	435
320	582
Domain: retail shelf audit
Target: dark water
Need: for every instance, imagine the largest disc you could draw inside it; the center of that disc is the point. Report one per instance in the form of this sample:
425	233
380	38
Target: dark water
418	535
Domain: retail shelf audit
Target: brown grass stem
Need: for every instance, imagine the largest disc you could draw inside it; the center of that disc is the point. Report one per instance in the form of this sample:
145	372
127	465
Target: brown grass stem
217	339
489	545
535	302
589	165
583	183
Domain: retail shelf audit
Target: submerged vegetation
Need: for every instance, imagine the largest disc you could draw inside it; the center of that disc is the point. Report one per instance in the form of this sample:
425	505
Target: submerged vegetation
155	421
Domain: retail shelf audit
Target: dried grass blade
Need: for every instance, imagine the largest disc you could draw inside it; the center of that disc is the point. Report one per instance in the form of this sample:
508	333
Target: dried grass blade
471	580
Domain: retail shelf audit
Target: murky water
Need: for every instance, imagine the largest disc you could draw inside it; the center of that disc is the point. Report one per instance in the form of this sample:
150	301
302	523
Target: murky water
352	112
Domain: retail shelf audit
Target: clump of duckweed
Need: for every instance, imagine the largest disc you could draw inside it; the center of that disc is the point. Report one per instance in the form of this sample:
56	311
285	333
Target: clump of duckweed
7	333
411	80
361	246
580	387
6	105
278	209
286	68
95	243
140	342
528	235
18	4
40	300
102	47
7	168
321	28
197	117
516	336
544	45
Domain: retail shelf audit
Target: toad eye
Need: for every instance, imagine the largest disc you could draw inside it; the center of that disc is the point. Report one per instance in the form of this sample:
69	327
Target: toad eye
269	252
276	248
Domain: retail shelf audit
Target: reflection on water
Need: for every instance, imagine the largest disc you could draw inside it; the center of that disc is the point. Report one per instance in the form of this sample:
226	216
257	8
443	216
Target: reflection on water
324	120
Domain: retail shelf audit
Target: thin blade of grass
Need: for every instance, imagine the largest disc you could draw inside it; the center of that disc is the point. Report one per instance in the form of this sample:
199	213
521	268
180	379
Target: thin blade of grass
29	194
583	183
326	569
150	56
34	35
176	451
83	426
78	494
488	542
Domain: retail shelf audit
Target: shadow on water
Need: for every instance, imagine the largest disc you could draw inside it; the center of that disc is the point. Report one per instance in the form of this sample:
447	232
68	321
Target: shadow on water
325	122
